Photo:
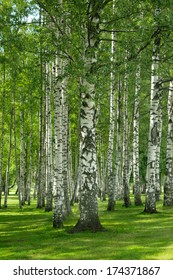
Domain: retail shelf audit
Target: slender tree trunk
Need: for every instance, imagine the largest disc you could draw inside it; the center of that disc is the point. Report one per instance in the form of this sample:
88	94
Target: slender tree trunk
49	165
168	185
58	189
137	193
41	168
158	180
65	147
22	162
127	201
70	166
102	178
150	204
118	180
8	162
41	182
16	154
111	186
29	179
2	138
77	170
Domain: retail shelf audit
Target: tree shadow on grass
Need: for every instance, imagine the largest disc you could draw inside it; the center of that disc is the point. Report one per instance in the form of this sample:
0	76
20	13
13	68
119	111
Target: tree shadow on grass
28	234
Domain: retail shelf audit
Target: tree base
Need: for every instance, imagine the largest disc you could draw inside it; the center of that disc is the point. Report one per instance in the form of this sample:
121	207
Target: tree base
111	206
138	202
93	226
48	208
58	224
58	221
150	211
127	202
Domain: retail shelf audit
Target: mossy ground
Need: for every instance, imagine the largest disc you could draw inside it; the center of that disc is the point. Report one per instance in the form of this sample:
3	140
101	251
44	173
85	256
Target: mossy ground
130	235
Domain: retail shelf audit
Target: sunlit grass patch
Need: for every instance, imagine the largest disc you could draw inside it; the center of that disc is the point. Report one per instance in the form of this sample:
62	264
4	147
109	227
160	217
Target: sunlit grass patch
28	234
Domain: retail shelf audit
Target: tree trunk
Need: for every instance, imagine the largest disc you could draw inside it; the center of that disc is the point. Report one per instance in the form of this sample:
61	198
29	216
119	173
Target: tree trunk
168	186
22	162
16	154
49	176
137	193
158	180
88	204
58	189
41	167
118	177
2	137
65	147
8	162
127	201
111	186
150	204
77	165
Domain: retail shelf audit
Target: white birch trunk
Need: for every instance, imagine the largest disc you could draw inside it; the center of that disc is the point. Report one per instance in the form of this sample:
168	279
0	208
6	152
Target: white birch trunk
41	167
118	177
88	203
77	165
58	190
137	193
158	179
168	185
127	201
102	179
65	147
150	204
22	162
49	164
70	177
8	162
111	186
29	179
41	164
2	138
17	158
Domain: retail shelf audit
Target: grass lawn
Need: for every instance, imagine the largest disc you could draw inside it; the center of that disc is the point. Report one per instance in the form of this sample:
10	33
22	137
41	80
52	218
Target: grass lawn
130	234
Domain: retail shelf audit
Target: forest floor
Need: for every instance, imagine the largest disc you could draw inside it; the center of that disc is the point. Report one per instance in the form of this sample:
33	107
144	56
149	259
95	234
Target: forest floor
27	234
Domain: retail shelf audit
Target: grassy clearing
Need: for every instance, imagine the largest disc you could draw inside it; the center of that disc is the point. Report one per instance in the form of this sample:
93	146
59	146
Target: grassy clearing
28	234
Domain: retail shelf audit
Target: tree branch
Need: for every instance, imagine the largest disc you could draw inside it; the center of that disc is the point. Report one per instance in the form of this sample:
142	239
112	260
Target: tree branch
116	31
41	5
161	81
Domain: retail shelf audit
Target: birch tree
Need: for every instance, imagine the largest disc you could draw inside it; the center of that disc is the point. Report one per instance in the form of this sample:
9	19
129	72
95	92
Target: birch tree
2	132
150	204
7	174
137	194
125	170
118	177
65	146
111	186
22	162
168	185
58	190
88	204
158	150
41	165
49	163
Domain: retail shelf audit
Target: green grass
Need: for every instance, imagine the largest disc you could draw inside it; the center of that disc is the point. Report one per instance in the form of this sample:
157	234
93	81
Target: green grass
130	235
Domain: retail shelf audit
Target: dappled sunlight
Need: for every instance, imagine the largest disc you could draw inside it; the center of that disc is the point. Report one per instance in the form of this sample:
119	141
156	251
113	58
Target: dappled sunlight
28	234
